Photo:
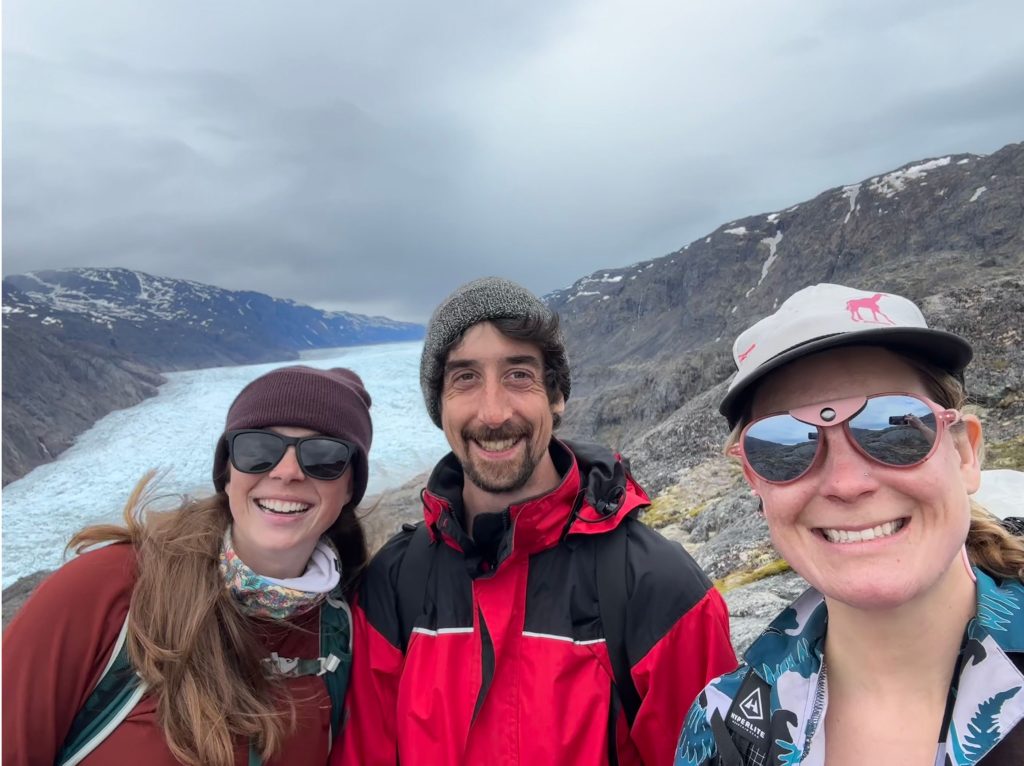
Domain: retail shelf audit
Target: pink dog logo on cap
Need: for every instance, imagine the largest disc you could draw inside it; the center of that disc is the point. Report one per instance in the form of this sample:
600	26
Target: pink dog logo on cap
743	357
871	304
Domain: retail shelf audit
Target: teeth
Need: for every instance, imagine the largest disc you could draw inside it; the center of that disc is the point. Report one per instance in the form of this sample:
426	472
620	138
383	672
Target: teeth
282	506
497	445
849	536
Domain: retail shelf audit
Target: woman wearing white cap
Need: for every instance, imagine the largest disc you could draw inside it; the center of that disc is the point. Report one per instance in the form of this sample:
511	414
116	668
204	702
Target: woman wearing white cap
909	646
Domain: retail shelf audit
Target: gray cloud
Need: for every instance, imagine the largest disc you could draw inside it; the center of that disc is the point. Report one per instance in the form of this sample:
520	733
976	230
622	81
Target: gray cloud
371	158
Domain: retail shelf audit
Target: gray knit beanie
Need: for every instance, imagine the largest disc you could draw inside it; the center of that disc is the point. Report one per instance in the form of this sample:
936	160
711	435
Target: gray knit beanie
477	301
331	402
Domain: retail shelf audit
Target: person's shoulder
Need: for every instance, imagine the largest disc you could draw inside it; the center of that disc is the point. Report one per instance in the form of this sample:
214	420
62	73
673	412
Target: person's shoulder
668	592
378	597
385	564
109	568
87	588
379	582
660	563
697	742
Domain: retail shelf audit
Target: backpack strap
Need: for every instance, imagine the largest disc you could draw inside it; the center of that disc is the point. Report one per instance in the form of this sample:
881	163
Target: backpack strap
118	690
612	600
336	651
747	722
413	575
333	664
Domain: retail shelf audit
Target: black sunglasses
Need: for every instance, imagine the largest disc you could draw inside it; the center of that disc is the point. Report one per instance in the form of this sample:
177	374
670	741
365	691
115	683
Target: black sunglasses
319	457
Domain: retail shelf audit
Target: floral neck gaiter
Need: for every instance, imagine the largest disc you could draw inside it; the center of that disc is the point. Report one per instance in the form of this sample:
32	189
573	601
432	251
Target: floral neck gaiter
279	599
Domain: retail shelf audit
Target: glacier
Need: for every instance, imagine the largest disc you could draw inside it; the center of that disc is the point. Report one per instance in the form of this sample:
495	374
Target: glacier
175	433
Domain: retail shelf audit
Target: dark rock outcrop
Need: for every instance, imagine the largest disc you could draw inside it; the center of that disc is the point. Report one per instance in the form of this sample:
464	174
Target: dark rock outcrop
54	390
17	593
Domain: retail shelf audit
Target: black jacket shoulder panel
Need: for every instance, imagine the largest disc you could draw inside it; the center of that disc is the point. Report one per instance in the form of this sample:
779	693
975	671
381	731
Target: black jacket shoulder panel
379	587
663	583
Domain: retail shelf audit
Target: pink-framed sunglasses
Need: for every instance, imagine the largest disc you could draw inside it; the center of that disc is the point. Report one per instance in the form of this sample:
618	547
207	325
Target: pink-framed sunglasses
897	430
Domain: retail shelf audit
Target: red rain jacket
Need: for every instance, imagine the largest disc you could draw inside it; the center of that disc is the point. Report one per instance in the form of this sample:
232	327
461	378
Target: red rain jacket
507	663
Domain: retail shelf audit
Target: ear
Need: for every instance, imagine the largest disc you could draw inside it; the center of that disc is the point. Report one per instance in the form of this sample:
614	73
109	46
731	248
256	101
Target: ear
558	406
750	477
968	445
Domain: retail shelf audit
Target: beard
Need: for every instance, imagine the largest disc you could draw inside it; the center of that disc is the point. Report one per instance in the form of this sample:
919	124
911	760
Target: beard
507	475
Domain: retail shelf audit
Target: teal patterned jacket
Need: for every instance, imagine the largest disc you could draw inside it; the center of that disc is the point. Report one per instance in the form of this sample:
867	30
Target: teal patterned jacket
989	689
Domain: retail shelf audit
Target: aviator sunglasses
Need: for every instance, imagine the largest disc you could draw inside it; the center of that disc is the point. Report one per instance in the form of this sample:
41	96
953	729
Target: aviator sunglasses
895	429
319	457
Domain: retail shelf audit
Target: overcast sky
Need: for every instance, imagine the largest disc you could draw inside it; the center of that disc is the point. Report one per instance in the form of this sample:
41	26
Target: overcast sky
371	156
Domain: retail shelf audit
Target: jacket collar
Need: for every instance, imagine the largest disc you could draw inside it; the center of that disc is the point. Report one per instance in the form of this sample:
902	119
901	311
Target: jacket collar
594	495
989	688
800	628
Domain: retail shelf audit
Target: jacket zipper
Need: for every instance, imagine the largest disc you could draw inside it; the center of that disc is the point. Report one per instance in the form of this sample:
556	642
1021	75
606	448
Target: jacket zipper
816	709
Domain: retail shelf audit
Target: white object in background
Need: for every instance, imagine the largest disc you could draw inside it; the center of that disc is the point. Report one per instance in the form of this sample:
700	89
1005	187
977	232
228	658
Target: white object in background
1001	492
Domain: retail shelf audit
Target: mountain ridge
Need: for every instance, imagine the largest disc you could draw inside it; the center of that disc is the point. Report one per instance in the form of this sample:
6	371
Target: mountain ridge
83	342
666	325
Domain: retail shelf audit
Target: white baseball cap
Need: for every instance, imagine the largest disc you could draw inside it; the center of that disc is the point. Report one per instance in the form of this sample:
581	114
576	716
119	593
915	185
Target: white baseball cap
825	316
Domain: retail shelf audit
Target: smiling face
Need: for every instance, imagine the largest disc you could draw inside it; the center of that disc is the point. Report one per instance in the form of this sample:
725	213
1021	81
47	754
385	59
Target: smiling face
496	415
279	516
868	535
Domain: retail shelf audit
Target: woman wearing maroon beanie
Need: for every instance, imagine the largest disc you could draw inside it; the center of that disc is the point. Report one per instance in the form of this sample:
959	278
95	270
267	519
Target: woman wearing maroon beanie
217	633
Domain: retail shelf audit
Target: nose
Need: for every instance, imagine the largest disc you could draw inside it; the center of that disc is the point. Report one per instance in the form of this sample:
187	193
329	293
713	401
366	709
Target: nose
288	468
845	474
495	408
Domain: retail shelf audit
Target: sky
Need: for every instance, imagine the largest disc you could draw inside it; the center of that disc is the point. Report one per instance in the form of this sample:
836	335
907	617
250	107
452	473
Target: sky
371	156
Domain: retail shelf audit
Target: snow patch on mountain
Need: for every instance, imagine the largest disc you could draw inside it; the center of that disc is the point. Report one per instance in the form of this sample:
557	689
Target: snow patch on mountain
893	183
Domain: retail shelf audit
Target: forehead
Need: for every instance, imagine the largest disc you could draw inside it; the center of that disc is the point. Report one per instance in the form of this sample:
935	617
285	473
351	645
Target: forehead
295	431
483	342
836	374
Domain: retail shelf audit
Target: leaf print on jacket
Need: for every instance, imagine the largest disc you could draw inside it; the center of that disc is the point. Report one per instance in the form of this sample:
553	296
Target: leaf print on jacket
988	689
997	609
983	731
786	753
697	744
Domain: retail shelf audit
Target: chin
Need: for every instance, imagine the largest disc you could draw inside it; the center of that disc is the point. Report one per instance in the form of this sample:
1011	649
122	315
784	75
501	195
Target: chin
874	596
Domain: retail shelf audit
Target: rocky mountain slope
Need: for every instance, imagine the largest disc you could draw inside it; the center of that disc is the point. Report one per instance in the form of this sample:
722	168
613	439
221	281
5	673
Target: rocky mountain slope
658	333
80	343
651	343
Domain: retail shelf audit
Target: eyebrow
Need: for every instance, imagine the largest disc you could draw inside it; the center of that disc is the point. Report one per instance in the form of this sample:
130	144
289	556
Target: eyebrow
522	359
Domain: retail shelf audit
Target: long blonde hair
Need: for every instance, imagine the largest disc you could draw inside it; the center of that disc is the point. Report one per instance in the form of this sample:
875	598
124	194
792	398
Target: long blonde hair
990	545
186	637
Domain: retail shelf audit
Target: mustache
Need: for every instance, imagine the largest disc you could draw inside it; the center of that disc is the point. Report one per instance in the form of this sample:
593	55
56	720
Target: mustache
507	431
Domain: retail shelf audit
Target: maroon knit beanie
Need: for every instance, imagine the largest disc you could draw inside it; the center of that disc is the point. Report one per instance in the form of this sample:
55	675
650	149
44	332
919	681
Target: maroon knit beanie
330	402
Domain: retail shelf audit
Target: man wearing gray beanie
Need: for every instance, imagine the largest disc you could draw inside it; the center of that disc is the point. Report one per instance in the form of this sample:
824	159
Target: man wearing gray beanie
531	618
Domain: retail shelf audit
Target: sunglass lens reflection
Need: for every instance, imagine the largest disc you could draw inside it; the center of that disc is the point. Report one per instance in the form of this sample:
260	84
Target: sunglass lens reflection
256	452
780	448
323	458
259	452
895	430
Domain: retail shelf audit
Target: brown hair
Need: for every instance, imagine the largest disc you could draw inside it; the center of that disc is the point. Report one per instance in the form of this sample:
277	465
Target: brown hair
187	638
990	545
